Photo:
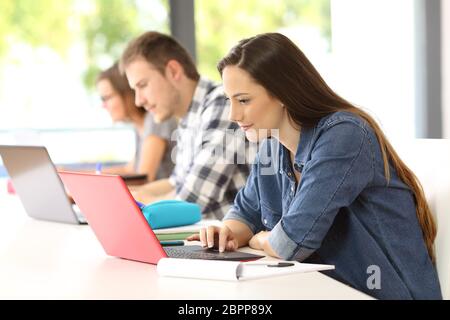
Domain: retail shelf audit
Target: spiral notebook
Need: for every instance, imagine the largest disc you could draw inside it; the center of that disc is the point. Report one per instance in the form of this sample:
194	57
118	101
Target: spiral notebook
233	270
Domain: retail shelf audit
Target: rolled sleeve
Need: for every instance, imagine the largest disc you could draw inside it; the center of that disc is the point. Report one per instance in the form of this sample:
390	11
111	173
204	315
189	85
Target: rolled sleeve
280	242
285	247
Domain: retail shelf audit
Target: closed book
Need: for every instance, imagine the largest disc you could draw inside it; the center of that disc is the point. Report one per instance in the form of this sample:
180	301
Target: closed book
192	228
174	236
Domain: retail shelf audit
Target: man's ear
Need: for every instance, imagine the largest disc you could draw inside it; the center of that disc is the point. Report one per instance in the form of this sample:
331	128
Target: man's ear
174	70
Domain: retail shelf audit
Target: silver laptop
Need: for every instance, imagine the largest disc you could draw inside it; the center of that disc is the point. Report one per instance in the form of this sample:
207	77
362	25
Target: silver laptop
38	185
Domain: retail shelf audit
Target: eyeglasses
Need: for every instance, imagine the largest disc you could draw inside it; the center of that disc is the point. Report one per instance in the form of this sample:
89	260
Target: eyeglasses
107	97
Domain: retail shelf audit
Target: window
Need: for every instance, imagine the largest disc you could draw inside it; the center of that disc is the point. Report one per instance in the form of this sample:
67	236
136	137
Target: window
221	24
50	59
364	49
373	60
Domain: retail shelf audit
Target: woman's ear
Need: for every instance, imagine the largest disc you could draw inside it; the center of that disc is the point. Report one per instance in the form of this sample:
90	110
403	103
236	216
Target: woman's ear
174	70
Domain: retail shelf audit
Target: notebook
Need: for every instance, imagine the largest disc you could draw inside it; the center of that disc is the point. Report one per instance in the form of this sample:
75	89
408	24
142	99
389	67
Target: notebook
234	270
38	185
181	233
120	226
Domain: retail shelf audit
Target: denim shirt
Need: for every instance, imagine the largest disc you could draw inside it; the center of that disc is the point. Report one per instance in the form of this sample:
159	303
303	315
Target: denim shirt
342	212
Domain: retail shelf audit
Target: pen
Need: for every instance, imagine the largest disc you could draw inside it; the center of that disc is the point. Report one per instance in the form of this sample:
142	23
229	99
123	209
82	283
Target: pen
172	243
140	204
98	168
271	265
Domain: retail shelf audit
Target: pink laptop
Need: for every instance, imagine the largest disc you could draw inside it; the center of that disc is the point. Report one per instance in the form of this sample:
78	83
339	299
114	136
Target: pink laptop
120	226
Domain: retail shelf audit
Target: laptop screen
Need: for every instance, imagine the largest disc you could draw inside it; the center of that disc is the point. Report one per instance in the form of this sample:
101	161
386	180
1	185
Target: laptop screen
113	215
37	183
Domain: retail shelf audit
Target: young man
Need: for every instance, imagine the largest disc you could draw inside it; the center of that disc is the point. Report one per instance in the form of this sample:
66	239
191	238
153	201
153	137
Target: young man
166	82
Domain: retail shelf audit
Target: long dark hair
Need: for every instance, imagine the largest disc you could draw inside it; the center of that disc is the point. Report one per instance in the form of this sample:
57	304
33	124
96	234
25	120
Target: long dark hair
277	64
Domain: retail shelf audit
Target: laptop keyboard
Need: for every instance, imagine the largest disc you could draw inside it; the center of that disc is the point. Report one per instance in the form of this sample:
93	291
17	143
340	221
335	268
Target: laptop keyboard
174	252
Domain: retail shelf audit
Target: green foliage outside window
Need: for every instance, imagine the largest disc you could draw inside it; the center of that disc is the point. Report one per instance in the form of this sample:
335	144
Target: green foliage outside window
104	27
220	24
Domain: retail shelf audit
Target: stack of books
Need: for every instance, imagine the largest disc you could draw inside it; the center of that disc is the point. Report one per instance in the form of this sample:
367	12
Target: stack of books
181	233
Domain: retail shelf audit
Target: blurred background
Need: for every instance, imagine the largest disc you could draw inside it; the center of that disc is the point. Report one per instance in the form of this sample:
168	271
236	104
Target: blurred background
390	57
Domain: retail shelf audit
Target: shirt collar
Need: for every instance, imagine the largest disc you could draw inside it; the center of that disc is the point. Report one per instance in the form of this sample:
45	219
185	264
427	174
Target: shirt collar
203	87
306	135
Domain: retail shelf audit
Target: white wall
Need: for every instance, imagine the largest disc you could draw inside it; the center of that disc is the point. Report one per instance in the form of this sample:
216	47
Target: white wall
373	50
445	36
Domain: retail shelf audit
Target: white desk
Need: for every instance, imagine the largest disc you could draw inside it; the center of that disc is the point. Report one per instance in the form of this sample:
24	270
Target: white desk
47	260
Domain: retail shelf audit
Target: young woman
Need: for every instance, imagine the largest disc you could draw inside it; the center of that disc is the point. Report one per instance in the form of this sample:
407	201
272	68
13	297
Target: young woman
327	187
153	140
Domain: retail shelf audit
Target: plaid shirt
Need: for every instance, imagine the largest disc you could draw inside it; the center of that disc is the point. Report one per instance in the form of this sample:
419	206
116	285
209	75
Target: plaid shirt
209	169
